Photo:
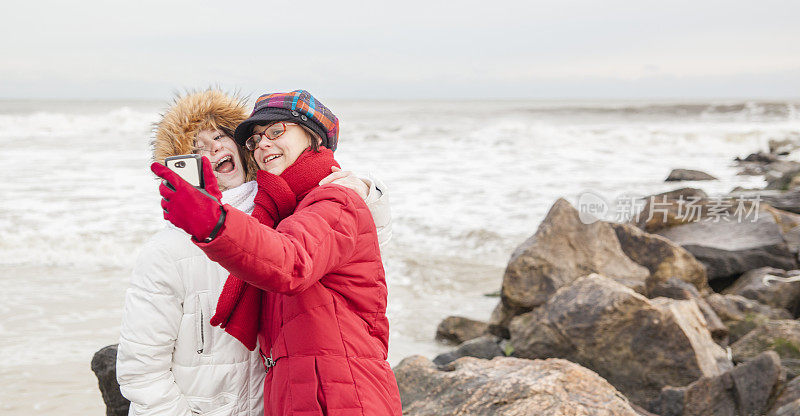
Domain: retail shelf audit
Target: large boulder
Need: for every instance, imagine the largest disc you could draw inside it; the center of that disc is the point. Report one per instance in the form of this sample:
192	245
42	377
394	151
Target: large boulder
457	329
730	248
663	259
563	249
742	315
104	366
688	175
788	402
744	391
777	294
639	345
505	386
742	223
781	336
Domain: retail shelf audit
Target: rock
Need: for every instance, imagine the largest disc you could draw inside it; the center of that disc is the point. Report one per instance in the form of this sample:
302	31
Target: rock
784	200
784	182
104	366
662	258
638	345
688	175
760	157
744	390
640	410
780	146
505	386
751	169
675	288
457	329
486	347
735	308
788	402
789	223
780	174
499	320
792	238
787	201
785	219
781	336
563	249
664	210
728	249
781	166
687	205
777	294
742	315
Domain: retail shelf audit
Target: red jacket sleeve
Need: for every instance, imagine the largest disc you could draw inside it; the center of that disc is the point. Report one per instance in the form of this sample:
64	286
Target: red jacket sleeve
307	245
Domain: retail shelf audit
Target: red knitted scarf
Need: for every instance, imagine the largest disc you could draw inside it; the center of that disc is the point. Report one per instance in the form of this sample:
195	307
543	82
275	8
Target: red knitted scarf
239	305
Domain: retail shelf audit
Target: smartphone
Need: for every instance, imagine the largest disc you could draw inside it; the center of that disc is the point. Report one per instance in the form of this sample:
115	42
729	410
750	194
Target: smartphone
188	167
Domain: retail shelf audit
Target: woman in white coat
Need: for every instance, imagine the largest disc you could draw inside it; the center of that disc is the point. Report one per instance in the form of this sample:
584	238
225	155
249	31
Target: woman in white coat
170	360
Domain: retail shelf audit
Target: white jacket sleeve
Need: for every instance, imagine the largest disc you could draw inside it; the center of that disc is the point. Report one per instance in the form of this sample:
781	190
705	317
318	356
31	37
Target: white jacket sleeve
378	203
150	323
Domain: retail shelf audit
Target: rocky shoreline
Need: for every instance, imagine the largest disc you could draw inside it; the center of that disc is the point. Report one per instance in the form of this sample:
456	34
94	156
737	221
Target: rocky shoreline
666	314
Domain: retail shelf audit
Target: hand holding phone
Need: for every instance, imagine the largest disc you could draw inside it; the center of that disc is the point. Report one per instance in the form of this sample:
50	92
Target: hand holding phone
197	211
188	167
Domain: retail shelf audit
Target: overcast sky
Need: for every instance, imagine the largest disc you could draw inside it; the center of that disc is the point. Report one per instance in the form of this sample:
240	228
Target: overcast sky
403	49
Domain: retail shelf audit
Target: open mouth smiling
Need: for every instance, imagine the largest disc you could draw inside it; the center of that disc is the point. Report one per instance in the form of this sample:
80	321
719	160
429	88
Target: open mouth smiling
225	165
270	158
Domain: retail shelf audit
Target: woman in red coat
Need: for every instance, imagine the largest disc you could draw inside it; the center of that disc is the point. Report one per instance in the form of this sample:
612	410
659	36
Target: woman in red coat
307	279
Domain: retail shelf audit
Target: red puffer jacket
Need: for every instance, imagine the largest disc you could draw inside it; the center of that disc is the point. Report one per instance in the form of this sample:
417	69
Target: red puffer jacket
324	308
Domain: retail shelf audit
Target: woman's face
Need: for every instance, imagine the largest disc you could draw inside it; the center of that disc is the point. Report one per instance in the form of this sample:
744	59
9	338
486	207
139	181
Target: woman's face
274	156
223	153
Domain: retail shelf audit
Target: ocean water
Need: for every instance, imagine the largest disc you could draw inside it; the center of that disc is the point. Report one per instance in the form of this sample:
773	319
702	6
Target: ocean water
468	182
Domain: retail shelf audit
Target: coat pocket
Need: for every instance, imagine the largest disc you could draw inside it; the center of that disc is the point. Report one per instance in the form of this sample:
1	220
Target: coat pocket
335	386
223	404
203	324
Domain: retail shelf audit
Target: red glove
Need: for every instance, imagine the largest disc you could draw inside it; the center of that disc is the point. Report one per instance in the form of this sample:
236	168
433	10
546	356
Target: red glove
198	212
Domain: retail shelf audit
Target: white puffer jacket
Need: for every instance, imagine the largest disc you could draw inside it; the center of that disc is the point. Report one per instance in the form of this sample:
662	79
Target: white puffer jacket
170	360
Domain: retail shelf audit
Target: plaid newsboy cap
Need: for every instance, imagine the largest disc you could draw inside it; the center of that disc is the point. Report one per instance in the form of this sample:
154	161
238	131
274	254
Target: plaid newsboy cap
299	107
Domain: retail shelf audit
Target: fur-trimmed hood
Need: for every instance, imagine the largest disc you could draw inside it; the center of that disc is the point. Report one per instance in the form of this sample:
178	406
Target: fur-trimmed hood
191	113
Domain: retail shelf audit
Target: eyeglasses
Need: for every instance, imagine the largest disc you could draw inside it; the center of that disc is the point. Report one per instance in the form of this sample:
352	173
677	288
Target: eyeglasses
272	132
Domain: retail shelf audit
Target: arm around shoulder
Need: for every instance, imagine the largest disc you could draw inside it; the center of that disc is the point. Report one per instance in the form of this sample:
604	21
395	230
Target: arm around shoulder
378	203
